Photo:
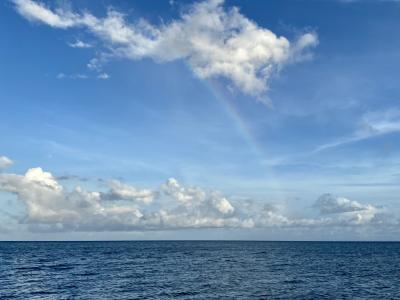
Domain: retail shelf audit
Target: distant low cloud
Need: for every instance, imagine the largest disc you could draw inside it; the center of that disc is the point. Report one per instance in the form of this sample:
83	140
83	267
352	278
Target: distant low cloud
5	162
349	211
214	41
328	204
118	206
196	199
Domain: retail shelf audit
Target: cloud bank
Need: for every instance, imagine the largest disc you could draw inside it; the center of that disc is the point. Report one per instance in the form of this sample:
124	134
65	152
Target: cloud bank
117	206
213	40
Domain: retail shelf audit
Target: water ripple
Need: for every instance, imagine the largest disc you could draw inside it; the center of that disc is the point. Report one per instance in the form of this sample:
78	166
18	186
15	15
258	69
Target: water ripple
199	270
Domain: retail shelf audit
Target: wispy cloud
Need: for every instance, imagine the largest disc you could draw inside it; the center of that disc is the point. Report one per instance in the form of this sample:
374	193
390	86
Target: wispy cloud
78	76
80	44
372	125
72	76
5	162
214	41
103	76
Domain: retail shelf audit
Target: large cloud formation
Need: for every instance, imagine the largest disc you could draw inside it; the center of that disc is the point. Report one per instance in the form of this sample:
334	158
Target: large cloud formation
117	206
214	41
120	207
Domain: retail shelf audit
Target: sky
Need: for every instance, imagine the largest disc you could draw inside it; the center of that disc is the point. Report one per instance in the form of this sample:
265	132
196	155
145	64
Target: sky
250	120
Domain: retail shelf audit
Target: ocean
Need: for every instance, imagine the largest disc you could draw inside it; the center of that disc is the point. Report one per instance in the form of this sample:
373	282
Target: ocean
199	270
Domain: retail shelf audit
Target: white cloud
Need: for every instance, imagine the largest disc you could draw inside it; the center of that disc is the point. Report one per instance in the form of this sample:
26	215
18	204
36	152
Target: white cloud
103	76
119	206
5	162
35	11
195	198
72	76
94	64
80	44
348	211
214	41
45	179
120	191
328	204
371	125
50	205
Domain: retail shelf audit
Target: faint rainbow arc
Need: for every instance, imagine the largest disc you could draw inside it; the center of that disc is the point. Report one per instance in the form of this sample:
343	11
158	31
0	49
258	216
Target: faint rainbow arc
222	96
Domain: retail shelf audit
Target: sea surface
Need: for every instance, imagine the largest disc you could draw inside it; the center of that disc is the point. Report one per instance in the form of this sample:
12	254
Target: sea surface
199	270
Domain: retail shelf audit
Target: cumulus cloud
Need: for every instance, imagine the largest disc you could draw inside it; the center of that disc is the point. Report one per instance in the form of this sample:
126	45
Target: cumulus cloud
5	162
48	203
349	211
121	207
118	206
213	40
195	198
328	204
121	191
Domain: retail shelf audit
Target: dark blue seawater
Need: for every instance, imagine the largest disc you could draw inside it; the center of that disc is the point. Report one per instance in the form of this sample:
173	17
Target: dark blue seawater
199	270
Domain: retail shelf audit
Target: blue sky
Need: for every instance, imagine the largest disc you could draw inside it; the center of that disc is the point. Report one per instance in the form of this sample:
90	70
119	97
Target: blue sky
277	104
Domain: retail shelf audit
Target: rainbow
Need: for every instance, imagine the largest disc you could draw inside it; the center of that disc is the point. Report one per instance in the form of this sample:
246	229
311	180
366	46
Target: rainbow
221	94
